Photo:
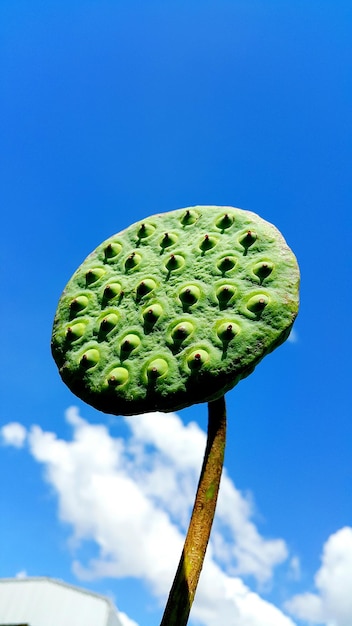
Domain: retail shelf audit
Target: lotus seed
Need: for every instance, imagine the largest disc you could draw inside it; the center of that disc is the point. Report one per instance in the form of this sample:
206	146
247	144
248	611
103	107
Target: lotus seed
157	369
118	377
207	243
109	322
152	313
227	263
189	295
79	304
257	303
112	250
75	331
93	275
168	240
112	290
130	343
263	270
225	221
175	262
145	286
90	358
132	261
248	239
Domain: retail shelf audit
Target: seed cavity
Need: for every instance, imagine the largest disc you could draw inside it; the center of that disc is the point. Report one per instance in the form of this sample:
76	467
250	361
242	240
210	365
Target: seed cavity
145	230
75	331
151	314
78	304
94	274
118	377
174	262
108	323
247	240
197	359
168	239
189	295
129	344
207	243
227	330
132	261
256	304
181	332
225	221
157	368
189	217
263	270
227	263
225	293
112	290
112	250
90	358
144	287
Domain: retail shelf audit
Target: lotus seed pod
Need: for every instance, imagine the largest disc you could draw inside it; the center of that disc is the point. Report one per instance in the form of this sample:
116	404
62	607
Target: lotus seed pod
160	327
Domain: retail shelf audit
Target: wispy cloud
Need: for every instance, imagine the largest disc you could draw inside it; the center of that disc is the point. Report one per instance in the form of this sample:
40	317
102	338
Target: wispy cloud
332	604
132	496
13	434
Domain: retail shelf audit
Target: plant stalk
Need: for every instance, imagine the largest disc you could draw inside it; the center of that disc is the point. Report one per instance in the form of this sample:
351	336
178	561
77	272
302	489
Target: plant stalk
188	572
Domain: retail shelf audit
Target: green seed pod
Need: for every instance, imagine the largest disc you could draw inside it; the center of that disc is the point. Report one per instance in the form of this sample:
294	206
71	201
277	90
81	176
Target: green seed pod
205	327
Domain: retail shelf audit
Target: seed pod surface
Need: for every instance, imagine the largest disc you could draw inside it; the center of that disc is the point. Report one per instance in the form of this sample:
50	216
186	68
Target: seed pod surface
187	324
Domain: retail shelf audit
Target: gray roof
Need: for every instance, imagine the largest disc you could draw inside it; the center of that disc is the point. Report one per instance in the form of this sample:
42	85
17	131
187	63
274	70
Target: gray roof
42	601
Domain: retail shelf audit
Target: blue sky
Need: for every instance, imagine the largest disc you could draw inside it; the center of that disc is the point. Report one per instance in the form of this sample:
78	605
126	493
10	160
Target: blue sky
111	111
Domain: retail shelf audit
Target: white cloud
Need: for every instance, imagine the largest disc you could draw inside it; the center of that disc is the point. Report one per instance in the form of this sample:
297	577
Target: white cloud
22	574
125	620
133	497
13	434
332	604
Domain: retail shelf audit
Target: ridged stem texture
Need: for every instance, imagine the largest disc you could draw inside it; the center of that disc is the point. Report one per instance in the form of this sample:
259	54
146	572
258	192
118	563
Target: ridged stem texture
187	576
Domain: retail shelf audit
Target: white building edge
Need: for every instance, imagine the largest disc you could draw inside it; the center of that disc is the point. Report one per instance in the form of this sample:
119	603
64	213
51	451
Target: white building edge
43	601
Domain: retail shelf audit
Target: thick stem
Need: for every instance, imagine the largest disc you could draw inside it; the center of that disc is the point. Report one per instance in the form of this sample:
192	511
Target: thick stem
186	580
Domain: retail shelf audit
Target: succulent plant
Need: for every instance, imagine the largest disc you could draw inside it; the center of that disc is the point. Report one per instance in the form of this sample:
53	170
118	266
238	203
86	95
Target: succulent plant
175	310
172	311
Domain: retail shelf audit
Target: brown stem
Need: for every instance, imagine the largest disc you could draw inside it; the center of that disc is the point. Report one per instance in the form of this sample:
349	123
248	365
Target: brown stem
187	576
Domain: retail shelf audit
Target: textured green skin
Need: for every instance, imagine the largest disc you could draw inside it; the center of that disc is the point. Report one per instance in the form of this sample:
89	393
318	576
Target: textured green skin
124	352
